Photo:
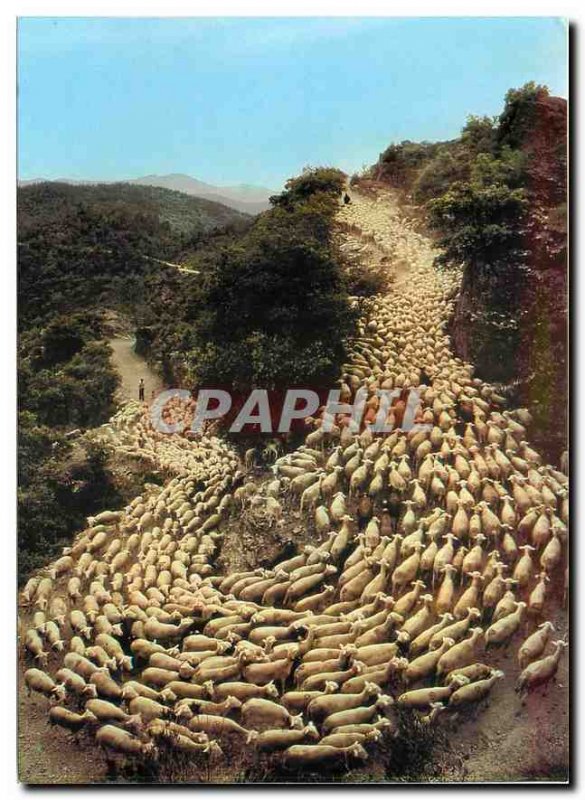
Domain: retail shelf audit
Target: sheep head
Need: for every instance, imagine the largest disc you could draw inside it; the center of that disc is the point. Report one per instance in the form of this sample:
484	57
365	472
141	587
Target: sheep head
296	722
210	689
271	690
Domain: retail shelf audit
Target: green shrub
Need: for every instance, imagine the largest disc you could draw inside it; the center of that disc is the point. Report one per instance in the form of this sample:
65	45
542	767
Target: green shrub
479	226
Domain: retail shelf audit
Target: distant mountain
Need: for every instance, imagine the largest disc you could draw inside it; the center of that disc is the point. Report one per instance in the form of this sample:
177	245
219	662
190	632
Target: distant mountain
243	197
246	198
42	201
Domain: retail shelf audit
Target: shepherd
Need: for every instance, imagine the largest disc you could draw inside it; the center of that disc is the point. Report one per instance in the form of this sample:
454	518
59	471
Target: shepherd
141	390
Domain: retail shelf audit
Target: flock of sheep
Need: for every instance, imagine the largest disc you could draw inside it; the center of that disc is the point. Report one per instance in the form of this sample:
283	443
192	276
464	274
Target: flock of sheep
429	548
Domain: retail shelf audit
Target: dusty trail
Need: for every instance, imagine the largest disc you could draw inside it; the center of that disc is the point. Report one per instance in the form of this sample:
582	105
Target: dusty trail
506	741
510	740
131	367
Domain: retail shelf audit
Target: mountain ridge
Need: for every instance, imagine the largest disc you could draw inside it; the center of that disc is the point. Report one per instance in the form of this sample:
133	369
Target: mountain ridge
243	197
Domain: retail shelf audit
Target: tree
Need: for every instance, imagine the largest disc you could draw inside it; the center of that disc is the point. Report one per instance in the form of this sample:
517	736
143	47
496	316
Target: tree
519	113
275	306
480	226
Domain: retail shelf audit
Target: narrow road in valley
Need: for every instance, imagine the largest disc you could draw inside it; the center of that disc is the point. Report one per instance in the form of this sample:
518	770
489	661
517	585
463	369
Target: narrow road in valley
131	368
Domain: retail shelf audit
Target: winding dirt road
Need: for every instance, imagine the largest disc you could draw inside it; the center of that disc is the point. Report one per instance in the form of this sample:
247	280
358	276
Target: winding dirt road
131	368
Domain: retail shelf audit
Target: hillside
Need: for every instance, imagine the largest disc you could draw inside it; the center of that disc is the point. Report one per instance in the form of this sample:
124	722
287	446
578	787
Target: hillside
184	213
243	197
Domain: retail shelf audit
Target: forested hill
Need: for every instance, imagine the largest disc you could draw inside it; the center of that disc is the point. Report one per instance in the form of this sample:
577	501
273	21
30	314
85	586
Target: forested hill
82	246
39	203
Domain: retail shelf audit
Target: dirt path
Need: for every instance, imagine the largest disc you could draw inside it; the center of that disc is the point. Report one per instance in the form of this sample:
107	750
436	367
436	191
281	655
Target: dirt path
132	368
48	754
509	740
380	220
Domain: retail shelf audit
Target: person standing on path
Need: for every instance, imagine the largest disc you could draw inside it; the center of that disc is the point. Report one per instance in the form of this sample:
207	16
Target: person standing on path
141	390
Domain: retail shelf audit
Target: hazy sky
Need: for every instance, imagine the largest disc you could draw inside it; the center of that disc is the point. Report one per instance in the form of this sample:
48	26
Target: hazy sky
254	100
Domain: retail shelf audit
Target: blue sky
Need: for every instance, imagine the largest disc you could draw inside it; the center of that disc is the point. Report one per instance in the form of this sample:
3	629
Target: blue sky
236	100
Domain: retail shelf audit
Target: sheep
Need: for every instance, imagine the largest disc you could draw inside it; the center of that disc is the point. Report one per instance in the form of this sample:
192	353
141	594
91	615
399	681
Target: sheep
423	698
326	704
301	756
34	645
373	654
306	669
74	683
425	664
474	692
112	738
461	654
58	610
209	723
507	604
446	593
321	679
348	739
142	577
552	553
105	685
473	672
356	715
104	711
99	656
38	681
470	597
29	591
535	644
537	596
160	631
159	728
275	740
421	642
302	586
407	571
114	649
456	630
147	708
185	706
242	691
179	689
198	642
82	665
69	719
158	677
315	602
541	671
502	630
259	712
43	592
381	632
